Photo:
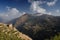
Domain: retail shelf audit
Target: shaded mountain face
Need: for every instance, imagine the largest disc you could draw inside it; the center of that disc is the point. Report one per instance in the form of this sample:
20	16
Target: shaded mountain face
38	27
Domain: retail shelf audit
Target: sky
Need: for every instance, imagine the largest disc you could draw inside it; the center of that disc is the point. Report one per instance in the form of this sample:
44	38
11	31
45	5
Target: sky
10	9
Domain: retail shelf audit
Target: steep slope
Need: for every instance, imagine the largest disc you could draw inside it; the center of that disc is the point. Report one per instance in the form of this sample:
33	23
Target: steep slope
7	32
19	20
38	27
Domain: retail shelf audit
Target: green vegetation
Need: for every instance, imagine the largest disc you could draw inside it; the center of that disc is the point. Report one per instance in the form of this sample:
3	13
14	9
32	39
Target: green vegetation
56	37
4	36
7	34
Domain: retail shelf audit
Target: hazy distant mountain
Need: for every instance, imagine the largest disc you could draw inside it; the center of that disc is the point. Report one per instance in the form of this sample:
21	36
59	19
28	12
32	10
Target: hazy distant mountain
1	20
38	27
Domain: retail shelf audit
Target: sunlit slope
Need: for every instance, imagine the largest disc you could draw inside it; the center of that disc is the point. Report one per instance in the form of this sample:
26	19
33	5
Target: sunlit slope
7	32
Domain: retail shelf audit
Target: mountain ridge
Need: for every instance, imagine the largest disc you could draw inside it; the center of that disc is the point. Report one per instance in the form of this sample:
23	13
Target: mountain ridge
38	27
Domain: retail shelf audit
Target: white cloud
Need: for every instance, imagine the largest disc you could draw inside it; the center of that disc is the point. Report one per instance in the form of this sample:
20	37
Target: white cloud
41	2
51	3
11	13
8	8
49	13
35	6
57	10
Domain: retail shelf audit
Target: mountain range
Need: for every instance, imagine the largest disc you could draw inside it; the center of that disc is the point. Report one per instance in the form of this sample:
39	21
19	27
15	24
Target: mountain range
37	26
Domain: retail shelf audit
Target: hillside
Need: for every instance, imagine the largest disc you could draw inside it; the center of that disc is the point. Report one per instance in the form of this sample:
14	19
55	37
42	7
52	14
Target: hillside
8	32
38	27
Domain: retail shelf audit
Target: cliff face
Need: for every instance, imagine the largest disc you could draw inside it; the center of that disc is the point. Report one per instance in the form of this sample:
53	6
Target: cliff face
9	32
